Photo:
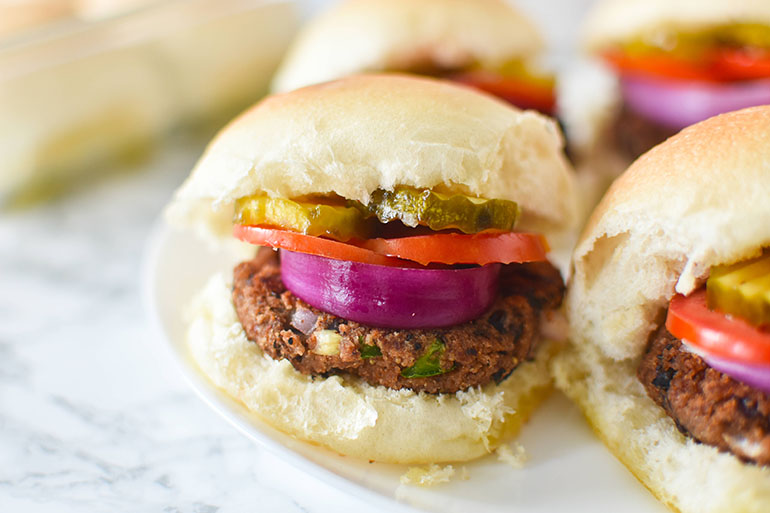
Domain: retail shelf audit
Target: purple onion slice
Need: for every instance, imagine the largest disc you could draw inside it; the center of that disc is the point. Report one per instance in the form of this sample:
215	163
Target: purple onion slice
390	297
680	103
754	375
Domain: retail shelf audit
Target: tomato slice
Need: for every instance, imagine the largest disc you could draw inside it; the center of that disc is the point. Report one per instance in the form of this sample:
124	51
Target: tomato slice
302	243
440	248
717	65
690	318
659	65
742	64
519	92
456	248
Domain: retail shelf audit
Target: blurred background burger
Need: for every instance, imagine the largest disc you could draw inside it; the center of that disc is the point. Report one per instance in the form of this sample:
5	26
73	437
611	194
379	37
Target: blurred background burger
679	62
487	44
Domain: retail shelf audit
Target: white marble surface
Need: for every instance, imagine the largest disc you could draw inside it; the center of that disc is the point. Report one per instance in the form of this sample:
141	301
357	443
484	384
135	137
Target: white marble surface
90	420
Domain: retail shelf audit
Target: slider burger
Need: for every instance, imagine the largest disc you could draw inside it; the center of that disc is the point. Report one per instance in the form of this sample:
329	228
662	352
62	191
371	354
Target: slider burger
669	309
680	62
403	316
486	44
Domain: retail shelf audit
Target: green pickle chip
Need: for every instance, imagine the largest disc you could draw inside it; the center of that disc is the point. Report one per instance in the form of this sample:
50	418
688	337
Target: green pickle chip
338	222
742	290
342	220
522	69
692	44
438	211
429	364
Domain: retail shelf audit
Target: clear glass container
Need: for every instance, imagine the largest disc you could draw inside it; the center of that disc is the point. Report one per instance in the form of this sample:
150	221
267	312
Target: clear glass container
106	79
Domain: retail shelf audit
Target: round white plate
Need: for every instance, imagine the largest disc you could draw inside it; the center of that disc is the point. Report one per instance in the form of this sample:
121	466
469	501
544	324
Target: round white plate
568	468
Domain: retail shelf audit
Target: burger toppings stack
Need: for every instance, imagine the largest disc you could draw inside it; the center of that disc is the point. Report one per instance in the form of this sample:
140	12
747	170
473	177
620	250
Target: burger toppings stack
709	367
401	304
485	44
682	65
416	289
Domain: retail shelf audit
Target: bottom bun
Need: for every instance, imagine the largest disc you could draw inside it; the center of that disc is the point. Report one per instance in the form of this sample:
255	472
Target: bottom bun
687	476
350	416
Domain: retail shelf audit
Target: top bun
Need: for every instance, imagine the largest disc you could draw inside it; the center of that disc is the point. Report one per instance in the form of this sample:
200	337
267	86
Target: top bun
615	21
364	133
401	35
699	199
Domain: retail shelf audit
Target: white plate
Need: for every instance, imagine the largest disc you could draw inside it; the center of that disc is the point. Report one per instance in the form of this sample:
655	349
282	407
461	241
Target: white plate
568	469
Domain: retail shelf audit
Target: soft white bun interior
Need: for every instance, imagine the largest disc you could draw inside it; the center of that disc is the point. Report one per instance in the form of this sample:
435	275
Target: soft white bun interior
400	35
687	476
350	416
614	21
358	134
700	199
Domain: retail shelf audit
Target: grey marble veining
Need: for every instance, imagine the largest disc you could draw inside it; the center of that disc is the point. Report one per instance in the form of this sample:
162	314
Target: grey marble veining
90	418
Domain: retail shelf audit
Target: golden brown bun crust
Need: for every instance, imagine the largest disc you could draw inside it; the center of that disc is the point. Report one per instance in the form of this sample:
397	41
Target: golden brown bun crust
399	35
614	21
698	200
362	133
685	475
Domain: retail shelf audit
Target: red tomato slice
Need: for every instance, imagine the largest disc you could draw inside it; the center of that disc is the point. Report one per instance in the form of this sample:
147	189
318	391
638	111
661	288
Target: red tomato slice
742	64
690	318
301	243
519	92
441	248
718	65
659	65
455	248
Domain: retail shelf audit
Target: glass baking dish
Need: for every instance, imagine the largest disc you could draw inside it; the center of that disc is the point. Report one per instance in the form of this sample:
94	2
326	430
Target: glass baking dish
92	85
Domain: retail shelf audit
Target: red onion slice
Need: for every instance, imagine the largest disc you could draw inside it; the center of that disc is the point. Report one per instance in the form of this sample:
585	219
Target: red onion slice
680	103
757	376
390	297
304	320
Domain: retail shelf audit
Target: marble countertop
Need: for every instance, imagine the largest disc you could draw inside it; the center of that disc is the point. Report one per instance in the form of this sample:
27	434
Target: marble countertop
90	419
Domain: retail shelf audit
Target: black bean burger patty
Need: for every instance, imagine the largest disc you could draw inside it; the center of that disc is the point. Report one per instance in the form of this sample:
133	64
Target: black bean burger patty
470	354
707	404
635	134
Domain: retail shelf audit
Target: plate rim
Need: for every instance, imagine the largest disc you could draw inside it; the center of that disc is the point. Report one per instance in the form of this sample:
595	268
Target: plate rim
214	398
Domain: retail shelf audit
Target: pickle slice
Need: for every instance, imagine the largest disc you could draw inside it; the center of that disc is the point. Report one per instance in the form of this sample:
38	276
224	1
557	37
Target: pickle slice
319	219
438	211
742	289
523	70
693	44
